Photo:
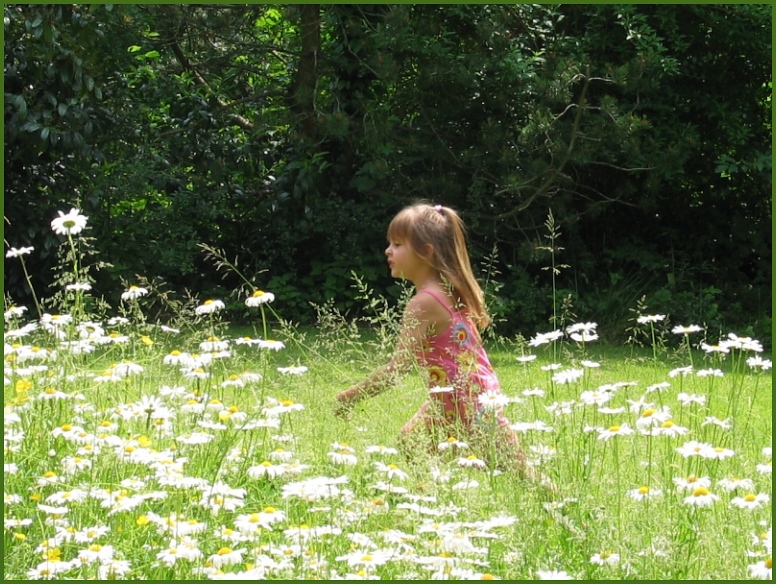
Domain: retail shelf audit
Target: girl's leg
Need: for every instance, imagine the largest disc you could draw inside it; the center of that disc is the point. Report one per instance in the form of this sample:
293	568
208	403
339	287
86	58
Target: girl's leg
417	435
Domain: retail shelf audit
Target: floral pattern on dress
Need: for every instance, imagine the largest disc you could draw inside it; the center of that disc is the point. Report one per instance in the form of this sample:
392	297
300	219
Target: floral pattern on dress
467	362
437	377
461	334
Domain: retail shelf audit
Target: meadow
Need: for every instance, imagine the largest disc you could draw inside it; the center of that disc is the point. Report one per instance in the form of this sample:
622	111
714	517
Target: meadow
196	450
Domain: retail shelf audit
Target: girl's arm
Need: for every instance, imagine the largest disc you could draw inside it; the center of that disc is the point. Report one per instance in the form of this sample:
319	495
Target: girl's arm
415	324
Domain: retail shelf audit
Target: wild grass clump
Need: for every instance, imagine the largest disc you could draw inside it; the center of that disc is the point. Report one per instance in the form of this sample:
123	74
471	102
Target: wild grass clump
183	450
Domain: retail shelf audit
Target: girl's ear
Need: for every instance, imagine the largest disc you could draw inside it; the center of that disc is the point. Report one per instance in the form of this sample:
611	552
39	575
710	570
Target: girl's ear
428	252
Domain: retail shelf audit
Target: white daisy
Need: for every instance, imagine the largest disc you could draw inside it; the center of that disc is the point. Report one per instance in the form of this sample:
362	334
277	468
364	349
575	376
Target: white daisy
258	298
750	501
133	293
70	223
701	497
210	306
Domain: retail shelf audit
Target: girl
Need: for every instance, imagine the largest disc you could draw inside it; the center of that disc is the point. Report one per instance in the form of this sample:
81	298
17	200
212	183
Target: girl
440	332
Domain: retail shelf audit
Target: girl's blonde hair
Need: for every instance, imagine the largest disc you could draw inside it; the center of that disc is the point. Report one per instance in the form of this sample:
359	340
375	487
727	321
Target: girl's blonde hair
422	224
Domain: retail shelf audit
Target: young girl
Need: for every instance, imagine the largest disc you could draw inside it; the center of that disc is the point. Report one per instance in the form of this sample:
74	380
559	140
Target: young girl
440	333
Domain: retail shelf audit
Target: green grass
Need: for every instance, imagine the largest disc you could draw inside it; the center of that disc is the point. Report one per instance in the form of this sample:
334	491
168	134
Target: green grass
448	535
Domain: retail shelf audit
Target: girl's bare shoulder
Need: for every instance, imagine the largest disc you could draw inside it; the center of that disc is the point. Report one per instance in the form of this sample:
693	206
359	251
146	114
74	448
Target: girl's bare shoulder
429	308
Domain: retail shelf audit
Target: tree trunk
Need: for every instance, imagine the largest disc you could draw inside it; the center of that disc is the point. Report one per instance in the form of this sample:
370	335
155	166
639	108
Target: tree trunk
303	86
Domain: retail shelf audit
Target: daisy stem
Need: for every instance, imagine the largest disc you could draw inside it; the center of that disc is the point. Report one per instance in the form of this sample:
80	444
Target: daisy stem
654	347
689	348
263	320
752	399
619	491
78	304
29	284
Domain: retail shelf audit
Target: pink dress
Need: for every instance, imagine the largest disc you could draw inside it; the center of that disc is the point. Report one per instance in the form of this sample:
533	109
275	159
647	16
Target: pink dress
459	371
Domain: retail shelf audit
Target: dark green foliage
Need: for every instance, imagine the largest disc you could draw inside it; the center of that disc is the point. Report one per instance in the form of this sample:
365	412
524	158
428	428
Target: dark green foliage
288	135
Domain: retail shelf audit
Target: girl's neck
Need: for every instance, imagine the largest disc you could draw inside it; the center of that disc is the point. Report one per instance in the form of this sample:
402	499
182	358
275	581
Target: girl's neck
430	280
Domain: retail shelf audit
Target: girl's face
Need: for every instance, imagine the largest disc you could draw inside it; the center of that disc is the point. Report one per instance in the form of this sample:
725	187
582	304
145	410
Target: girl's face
403	261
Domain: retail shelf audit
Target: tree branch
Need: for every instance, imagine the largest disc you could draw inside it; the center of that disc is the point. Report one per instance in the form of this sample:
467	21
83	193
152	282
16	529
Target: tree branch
543	189
239	120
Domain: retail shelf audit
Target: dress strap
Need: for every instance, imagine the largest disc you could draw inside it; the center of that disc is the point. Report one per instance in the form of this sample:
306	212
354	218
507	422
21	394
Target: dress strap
439	299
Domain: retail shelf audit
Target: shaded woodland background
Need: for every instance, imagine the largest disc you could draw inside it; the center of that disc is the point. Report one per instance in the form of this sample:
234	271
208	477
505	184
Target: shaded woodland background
288	135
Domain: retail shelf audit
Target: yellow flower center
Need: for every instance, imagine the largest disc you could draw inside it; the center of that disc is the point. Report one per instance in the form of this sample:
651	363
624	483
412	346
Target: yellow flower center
614	428
749	498
644	490
700	492
258	293
224	551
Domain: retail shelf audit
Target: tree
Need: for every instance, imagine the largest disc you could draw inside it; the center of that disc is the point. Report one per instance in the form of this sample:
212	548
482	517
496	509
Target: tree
287	135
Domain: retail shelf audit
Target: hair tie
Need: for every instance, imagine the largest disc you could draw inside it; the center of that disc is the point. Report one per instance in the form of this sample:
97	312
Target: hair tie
438	209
